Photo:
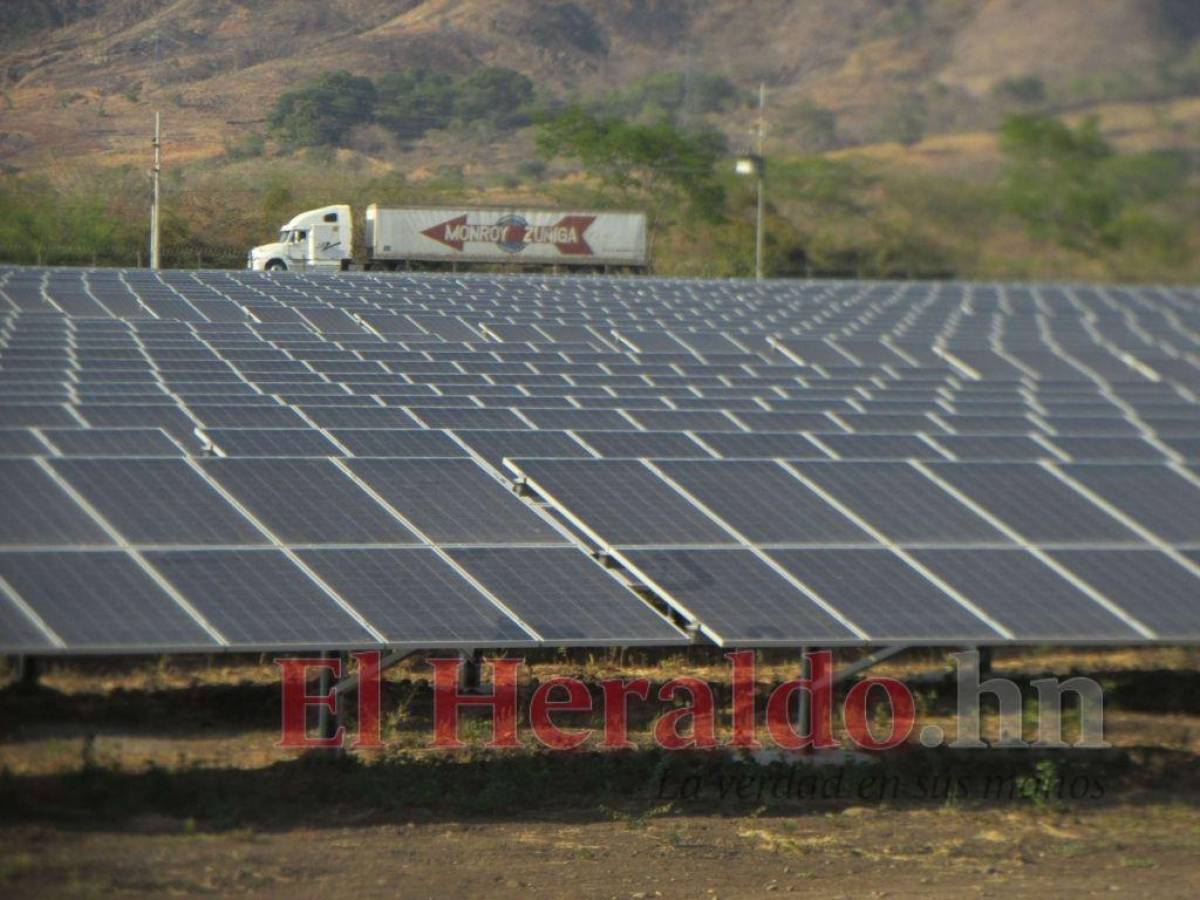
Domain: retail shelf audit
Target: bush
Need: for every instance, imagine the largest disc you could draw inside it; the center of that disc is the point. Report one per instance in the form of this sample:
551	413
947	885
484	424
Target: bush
1071	186
815	126
414	101
1029	90
905	123
494	96
668	94
651	160
250	146
407	103
323	111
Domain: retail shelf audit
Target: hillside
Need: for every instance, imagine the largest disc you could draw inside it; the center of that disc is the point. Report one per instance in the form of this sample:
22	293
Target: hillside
81	78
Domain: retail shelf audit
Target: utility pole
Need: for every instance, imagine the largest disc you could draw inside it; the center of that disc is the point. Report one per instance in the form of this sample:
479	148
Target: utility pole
154	259
758	224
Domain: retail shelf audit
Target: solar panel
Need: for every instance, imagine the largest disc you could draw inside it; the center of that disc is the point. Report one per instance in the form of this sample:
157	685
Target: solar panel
993	447
397	442
462	417
1026	596
878	446
1155	589
454	501
272	442
95	601
169	417
565	597
764	502
495	446
901	503
413	596
972	384
158	502
19	442
36	415
36	511
19	632
260	598
590	419
360	417
308	501
642	445
112	442
622	503
1188	448
884	596
1153	496
226	416
1034	503
762	445
714	587
787	421
683	420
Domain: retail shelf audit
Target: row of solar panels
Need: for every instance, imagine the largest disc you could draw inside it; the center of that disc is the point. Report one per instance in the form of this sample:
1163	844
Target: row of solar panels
1022	356
826	300
504	415
169	554
834	552
750	552
494	445
329	525
1009	353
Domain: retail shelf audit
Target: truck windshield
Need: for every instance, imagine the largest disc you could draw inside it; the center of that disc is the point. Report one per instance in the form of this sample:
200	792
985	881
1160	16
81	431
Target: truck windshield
284	235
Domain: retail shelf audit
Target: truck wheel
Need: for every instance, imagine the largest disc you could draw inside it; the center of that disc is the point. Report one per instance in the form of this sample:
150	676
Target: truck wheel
276	265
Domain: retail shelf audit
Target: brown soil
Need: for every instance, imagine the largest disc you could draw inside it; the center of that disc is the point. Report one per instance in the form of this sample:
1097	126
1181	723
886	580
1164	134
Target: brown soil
164	779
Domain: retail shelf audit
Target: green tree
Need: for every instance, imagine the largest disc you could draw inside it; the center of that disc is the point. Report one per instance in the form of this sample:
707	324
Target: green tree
815	126
1070	185
324	110
494	96
1029	90
906	122
640	159
414	101
668	94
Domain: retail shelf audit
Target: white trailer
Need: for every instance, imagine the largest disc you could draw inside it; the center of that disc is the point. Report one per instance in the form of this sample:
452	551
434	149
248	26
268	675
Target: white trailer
506	235
396	236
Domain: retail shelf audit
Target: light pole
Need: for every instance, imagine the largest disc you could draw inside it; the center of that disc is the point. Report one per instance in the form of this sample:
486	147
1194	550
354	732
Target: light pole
756	165
154	256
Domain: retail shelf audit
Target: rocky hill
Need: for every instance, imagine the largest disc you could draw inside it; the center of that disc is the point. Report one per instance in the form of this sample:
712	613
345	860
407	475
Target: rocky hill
81	78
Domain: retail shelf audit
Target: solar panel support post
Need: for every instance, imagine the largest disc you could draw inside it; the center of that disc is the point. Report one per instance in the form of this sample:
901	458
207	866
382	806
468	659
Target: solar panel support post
349	684
27	670
985	661
469	671
868	661
804	698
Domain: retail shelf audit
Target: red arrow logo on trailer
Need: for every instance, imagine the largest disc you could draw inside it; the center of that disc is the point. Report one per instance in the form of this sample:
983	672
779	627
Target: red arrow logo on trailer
448	233
567	234
580	224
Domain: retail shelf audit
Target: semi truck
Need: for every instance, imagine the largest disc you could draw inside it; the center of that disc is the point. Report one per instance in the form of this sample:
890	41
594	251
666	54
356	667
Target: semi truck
323	239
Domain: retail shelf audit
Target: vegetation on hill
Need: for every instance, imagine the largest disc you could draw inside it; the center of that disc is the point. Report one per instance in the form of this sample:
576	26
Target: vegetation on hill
1064	203
656	165
408	103
1071	186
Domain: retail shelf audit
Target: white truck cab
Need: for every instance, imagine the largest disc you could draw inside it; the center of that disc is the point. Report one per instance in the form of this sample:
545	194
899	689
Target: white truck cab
320	239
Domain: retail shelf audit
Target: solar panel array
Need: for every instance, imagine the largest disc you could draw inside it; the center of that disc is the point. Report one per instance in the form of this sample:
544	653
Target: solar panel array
236	460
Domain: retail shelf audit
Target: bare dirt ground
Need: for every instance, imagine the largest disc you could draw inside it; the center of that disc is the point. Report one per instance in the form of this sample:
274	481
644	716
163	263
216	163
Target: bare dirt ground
164	779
